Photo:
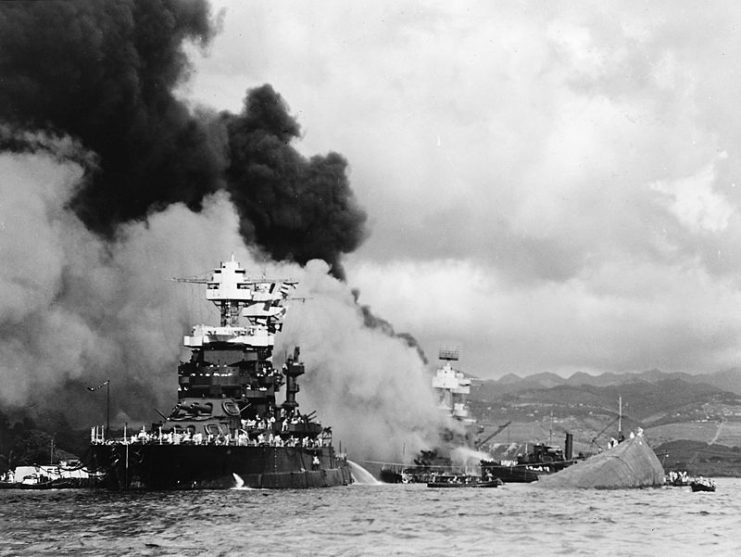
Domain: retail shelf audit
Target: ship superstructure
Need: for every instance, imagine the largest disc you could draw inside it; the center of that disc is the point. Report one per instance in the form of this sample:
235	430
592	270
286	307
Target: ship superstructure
452	387
227	426
230	377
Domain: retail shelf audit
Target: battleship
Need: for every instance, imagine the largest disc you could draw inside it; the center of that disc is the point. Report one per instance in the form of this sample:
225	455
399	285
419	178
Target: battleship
227	430
451	387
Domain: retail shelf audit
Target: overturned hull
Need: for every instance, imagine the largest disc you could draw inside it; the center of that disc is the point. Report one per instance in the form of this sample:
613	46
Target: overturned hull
630	464
166	467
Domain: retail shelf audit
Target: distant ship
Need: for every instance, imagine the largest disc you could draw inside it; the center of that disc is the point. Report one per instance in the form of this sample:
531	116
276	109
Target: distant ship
540	461
64	474
227	429
628	464
452	388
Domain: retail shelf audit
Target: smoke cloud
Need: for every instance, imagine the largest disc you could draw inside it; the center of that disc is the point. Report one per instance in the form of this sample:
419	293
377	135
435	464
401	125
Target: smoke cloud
373	388
111	185
104	74
77	310
295	208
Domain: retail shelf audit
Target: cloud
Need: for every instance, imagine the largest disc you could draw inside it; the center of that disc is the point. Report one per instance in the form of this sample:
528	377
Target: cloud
621	315
694	202
561	153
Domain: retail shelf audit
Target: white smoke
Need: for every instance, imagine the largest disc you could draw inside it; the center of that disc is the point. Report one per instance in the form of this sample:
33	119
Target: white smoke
372	388
76	310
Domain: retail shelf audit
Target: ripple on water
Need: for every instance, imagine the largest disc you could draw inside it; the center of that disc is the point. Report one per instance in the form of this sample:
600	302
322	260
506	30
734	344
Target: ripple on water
386	520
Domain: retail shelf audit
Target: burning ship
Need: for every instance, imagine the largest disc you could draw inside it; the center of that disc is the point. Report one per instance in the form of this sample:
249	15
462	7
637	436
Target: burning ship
227	429
452	388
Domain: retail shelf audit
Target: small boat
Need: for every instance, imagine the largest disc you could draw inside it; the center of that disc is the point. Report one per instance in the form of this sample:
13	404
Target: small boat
463	481
702	484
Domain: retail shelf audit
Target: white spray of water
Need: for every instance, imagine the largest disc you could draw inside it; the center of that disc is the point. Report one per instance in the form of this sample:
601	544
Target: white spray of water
361	476
464	456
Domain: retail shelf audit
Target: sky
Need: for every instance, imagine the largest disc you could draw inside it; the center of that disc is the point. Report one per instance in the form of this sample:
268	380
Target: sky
550	186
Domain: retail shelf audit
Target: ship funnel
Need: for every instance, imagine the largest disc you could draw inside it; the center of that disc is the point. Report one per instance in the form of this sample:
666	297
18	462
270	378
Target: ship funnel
569	448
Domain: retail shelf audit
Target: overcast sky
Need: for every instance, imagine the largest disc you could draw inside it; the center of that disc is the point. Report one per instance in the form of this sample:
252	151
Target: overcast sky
551	186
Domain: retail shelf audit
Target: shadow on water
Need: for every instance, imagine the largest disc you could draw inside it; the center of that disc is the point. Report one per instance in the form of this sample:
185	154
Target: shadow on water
361	476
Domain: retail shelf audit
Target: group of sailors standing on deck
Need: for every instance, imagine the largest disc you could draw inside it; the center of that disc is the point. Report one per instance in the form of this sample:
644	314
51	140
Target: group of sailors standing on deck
240	438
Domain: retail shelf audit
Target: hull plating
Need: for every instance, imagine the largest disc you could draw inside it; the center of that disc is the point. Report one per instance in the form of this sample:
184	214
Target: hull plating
155	467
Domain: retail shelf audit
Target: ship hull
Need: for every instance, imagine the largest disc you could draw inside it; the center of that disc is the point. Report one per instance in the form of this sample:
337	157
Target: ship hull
630	464
513	474
167	467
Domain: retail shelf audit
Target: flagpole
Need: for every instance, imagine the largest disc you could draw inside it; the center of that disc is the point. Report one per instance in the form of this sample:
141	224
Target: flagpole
107	408
105	429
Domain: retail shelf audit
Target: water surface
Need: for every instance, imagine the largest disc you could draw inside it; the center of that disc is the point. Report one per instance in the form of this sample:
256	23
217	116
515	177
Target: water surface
380	520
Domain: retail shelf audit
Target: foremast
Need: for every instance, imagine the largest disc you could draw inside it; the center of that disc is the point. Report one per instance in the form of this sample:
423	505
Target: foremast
452	387
230	380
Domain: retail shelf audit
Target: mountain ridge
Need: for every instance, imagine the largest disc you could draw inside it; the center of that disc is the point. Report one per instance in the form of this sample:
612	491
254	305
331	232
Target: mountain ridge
726	380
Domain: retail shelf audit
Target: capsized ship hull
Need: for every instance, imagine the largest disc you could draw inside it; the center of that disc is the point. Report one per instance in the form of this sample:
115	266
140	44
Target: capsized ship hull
629	464
155	466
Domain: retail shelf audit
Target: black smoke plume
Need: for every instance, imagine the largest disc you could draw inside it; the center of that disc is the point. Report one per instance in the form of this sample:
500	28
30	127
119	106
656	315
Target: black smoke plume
372	321
297	209
104	74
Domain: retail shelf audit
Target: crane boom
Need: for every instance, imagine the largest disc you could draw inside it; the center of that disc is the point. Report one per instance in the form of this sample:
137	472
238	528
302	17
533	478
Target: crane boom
496	432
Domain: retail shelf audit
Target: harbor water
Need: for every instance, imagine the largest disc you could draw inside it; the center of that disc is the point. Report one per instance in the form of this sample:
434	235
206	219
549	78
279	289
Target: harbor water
382	519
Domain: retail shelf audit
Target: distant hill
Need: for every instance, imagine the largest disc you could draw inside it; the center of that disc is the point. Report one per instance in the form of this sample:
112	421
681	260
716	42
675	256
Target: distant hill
727	380
700	459
642	400
667	406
